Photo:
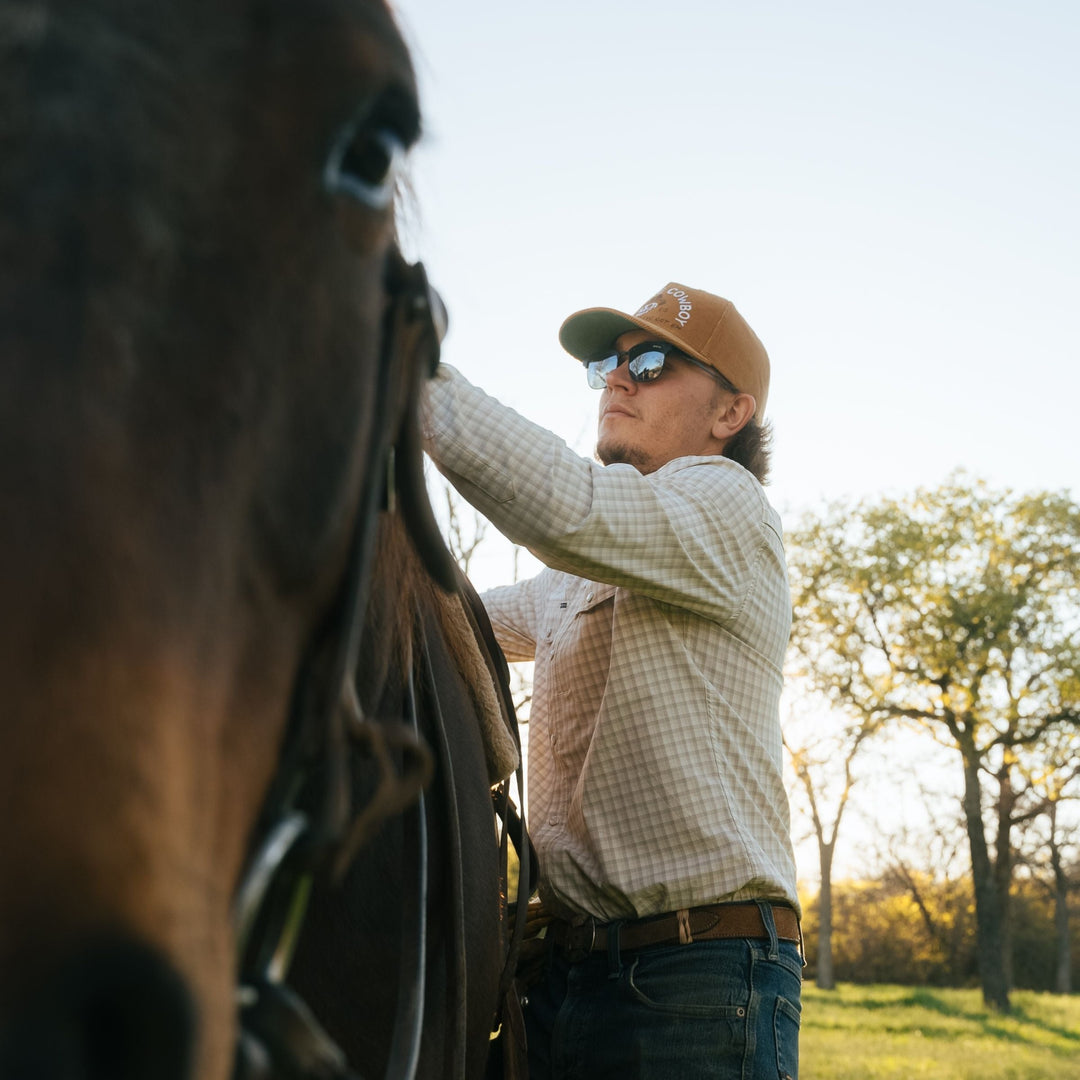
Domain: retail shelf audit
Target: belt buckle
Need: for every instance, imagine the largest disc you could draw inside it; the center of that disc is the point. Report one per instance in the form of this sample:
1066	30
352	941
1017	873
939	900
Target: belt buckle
576	948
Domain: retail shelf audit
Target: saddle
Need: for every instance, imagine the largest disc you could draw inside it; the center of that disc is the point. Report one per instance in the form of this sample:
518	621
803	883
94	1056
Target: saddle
466	626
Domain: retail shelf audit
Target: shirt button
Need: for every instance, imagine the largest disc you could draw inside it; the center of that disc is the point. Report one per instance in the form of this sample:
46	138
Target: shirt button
588	597
553	820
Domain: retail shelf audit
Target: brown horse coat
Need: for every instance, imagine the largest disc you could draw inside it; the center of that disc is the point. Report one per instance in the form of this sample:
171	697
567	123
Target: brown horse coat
191	319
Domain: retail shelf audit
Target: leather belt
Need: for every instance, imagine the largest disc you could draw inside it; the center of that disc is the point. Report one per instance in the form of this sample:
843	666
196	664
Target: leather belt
709	923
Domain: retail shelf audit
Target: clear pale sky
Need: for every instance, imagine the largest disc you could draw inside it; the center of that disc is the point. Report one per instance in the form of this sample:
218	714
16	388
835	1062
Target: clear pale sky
889	193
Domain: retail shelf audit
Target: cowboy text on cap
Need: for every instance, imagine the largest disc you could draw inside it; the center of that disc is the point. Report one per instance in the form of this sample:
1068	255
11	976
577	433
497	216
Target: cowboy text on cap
686	308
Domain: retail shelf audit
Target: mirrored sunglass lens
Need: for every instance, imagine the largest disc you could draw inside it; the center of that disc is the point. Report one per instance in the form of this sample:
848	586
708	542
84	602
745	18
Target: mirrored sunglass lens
598	371
646	366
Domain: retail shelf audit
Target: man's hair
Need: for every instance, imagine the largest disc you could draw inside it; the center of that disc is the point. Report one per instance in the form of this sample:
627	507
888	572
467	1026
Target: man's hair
751	447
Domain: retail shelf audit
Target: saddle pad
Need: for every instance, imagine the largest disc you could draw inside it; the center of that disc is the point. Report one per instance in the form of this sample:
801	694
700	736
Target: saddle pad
500	747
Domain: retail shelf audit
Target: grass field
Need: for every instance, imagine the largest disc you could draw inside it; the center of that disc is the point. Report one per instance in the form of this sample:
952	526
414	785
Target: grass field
902	1032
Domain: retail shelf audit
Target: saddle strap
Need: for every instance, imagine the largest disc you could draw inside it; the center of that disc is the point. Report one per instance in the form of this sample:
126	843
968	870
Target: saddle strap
412	967
458	1031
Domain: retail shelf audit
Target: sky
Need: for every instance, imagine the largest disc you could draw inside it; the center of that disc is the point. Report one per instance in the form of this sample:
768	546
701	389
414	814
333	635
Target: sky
890	194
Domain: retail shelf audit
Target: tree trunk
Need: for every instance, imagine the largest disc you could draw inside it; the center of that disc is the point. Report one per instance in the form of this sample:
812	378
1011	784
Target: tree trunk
1003	868
1062	943
1063	946
825	979
988	913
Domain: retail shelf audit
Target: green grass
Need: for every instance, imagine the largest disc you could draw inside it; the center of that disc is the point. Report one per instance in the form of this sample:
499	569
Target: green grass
903	1032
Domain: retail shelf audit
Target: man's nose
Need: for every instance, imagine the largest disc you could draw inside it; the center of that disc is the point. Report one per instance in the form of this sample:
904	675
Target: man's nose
619	377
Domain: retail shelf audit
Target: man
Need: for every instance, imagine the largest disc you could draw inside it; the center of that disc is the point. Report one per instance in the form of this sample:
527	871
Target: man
659	628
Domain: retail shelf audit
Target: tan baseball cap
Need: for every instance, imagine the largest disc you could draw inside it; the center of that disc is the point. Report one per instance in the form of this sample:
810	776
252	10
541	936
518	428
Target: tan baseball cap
702	325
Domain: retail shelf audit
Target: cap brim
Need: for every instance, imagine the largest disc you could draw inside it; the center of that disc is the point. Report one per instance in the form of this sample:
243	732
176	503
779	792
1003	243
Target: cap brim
587	333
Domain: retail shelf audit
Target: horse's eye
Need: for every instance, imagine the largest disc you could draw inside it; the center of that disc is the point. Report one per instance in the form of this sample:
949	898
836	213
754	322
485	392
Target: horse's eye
365	163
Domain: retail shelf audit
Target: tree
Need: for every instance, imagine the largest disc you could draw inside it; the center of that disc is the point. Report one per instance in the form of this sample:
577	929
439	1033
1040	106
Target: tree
823	758
956	610
1052	849
882	935
928	863
466	528
1064	879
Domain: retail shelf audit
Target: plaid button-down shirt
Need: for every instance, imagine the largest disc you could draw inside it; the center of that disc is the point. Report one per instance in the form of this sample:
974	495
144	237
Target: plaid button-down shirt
658	632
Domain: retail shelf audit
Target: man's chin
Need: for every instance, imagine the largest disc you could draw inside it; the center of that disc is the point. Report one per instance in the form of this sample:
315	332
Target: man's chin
613	453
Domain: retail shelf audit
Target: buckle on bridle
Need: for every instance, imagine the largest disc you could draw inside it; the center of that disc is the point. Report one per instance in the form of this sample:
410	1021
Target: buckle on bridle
269	908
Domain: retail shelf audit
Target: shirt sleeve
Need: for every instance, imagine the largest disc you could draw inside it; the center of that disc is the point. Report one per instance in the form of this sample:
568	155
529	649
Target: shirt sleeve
512	611
691	534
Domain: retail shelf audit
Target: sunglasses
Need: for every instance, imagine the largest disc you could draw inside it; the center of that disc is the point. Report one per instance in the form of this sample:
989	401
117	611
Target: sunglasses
645	363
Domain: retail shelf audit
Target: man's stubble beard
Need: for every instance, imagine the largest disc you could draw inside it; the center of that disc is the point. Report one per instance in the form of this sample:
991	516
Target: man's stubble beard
611	453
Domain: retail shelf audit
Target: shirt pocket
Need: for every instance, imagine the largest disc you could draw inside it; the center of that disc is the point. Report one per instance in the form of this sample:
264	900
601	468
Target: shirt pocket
595	595
579	650
564	607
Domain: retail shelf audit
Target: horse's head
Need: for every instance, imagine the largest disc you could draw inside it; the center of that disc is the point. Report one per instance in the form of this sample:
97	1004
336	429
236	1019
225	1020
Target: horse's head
195	224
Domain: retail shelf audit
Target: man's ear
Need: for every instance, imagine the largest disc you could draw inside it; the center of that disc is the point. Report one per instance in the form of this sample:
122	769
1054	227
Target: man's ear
737	413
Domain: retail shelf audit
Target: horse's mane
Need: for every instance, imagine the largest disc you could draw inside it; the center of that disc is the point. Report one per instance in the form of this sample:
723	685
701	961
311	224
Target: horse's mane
401	593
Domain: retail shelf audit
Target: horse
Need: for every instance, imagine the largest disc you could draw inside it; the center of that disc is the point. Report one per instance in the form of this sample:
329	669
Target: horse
424	957
423	656
201	310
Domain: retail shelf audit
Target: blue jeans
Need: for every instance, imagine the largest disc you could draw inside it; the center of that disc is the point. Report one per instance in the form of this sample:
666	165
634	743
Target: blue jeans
711	1010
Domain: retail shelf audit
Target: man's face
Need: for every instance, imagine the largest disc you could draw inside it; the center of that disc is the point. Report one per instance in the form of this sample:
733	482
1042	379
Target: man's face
649	424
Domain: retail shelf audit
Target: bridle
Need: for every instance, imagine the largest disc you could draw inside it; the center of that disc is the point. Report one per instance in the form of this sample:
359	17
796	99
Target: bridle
279	1037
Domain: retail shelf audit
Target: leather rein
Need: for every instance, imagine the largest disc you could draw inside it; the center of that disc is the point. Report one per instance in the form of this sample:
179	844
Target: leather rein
279	1037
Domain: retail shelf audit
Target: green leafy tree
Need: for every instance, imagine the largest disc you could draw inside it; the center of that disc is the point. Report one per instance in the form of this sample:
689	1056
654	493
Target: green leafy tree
956	610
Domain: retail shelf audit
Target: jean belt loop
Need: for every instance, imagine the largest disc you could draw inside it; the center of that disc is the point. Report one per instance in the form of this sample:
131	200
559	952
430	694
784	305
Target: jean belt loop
614	949
770	928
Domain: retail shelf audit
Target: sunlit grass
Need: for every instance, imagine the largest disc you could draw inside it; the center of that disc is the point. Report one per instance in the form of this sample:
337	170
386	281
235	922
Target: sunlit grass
897	1032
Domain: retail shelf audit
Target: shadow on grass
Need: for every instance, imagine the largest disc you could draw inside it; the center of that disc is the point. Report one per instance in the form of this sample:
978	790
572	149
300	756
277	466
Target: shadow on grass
989	1022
